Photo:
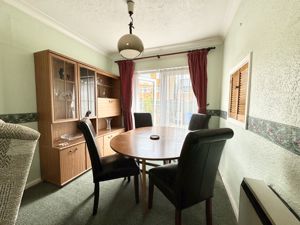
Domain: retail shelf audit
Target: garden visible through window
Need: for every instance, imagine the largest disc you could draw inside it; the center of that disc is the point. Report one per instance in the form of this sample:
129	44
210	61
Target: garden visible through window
167	94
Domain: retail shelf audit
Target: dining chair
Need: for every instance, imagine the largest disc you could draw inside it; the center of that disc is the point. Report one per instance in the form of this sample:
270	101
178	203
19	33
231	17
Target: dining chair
109	167
199	121
17	146
192	179
142	120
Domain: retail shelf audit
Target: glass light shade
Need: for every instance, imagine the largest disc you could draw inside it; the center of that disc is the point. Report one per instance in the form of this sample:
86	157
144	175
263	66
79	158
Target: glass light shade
130	46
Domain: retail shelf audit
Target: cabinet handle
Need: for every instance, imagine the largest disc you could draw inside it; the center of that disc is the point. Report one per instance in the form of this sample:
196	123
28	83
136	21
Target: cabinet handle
74	150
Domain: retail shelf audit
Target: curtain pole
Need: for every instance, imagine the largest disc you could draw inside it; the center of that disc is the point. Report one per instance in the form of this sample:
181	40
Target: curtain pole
168	54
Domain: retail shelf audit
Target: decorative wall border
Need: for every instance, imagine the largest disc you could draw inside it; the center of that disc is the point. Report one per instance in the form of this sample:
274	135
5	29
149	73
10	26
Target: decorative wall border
223	114
214	112
19	118
33	117
283	135
286	136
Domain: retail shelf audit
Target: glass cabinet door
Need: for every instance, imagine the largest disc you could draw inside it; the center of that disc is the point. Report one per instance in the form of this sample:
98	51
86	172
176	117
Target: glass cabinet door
64	89
87	93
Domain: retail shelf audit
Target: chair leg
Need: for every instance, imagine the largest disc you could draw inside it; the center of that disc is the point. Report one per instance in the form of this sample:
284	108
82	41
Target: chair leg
96	198
167	162
208	211
136	189
177	217
126	178
150	194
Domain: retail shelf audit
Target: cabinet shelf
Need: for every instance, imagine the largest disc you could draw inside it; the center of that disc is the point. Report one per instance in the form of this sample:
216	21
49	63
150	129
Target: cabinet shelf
63	81
65	120
105	85
102	132
67	144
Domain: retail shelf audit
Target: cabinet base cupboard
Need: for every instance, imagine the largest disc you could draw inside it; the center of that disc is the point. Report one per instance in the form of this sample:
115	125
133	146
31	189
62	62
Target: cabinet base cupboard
67	90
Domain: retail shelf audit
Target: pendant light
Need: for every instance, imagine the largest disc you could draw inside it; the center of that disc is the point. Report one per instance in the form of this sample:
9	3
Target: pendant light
130	46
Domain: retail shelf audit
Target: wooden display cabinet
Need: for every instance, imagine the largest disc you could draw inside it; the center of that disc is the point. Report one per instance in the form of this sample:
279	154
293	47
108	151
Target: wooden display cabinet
67	90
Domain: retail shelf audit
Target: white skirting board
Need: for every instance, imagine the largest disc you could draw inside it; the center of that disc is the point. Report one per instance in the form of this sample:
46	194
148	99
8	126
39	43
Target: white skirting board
230	196
32	183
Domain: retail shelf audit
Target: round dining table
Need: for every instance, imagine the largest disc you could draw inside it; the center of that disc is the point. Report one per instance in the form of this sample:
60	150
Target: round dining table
150	143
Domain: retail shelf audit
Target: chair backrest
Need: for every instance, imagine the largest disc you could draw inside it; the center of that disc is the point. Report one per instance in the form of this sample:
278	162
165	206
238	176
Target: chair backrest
199	121
142	120
17	146
198	165
89	134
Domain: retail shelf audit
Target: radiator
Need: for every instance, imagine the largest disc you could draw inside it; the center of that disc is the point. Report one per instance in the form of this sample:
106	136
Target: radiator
259	205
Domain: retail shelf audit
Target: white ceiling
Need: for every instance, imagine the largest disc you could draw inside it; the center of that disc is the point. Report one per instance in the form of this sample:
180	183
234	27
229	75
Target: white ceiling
101	23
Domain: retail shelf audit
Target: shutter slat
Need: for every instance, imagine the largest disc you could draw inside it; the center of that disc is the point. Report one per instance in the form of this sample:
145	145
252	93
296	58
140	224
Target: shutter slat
234	95
238	93
243	82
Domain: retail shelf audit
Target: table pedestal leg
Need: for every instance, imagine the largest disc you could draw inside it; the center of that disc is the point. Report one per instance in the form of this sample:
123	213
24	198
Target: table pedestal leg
144	183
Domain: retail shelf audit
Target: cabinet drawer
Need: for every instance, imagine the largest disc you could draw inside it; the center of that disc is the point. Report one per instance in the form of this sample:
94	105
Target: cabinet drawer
108	107
106	142
72	162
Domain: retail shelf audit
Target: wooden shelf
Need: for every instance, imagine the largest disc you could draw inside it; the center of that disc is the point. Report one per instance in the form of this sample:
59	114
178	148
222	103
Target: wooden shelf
63	81
68	143
105	85
103	132
65	120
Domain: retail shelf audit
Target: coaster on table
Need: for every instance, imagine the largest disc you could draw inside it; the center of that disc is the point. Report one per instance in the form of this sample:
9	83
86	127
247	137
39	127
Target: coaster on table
154	137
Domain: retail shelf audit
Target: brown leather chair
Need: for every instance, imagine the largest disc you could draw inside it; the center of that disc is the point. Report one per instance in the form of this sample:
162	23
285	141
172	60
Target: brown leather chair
199	121
109	167
192	179
142	120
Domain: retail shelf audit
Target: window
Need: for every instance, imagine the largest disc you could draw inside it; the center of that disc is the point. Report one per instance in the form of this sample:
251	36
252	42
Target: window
167	94
239	86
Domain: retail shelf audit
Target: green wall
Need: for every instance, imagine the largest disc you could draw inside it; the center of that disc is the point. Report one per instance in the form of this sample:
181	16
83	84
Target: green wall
21	36
271	30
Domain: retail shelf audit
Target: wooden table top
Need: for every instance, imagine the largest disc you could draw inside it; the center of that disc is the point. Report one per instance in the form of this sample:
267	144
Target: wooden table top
137	143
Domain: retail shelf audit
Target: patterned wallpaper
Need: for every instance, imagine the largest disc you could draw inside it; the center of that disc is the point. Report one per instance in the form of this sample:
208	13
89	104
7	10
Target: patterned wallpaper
19	118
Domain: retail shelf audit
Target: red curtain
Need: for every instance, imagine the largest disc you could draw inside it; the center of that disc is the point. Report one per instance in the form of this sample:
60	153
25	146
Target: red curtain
126	69
197	66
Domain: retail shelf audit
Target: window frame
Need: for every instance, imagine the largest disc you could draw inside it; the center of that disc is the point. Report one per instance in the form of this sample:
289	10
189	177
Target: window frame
246	60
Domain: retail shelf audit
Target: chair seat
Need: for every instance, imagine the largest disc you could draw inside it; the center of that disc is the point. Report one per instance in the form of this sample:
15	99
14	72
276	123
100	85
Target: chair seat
116	166
164	178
